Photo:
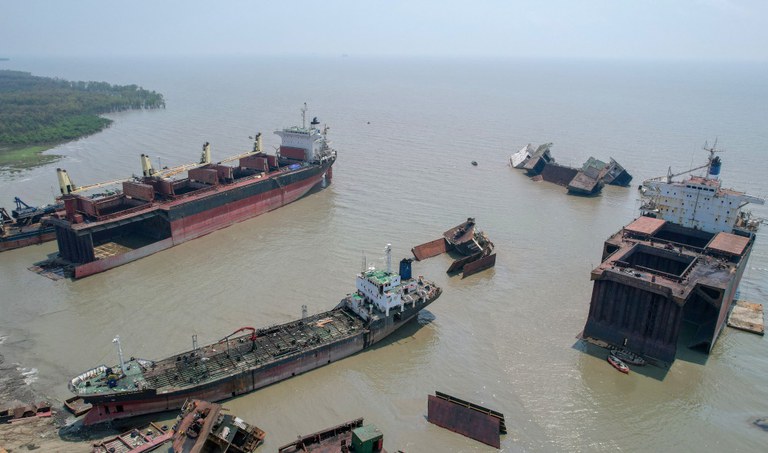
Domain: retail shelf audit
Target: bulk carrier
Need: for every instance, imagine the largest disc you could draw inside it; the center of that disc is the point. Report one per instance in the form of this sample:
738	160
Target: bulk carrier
155	212
250	358
671	275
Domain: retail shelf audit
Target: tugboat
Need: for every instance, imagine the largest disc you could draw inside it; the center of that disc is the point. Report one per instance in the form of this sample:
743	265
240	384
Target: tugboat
250	358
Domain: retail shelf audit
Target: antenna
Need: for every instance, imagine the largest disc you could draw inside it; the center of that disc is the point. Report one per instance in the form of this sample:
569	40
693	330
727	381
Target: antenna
304	116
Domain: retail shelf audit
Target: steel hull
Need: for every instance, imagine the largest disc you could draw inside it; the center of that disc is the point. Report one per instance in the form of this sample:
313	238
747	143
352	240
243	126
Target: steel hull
38	236
185	227
139	403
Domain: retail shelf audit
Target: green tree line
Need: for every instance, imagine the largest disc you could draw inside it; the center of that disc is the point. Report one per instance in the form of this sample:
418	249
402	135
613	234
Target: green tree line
39	110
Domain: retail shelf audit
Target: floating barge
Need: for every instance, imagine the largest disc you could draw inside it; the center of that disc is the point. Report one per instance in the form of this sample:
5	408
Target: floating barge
465	239
587	180
352	436
677	265
23	226
250	358
155	212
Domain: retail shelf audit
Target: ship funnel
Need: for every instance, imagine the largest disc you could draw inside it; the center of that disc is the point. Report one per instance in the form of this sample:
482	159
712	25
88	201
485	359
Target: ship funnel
257	143
205	157
65	184
405	268
315	123
714	168
146	166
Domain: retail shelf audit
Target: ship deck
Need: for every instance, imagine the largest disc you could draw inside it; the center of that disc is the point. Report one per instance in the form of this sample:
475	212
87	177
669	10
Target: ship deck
228	356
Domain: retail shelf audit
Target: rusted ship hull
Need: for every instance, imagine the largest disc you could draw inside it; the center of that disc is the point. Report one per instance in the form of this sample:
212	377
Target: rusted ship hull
184	219
26	236
113	407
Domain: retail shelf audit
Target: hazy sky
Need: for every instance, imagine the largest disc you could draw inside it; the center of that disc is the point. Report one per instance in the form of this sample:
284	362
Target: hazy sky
673	29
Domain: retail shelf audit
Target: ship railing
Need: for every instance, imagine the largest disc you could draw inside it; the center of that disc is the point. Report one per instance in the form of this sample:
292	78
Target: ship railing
194	192
114	215
76	381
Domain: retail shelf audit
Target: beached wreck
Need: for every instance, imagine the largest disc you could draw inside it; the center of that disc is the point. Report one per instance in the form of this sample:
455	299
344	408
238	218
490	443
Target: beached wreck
539	164
465	239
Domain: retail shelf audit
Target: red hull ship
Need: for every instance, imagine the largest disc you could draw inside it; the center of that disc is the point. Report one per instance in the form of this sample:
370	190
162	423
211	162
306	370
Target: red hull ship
155	212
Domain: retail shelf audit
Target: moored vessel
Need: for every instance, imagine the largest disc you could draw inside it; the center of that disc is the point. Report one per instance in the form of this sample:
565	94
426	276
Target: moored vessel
155	211
618	364
251	358
671	275
23	226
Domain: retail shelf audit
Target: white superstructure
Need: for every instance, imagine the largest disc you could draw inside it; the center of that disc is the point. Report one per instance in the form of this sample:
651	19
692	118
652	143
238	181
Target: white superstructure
699	202
516	160
313	141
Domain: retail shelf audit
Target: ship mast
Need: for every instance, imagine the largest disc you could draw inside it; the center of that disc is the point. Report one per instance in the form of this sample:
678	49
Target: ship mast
711	159
116	340
388	250
304	116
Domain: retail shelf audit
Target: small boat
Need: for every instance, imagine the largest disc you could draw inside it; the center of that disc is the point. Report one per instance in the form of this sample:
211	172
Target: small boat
474	163
618	364
628	356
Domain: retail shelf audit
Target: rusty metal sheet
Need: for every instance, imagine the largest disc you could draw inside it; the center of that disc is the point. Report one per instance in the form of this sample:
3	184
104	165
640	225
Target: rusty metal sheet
255	162
430	249
646	226
139	191
459	264
463	420
479	265
728	243
205	175
558	174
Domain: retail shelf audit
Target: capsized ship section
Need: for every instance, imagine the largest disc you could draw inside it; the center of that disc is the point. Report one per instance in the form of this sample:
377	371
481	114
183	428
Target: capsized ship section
678	265
155	212
251	358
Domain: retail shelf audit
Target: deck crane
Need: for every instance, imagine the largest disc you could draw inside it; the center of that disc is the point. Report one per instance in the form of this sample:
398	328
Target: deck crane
67	187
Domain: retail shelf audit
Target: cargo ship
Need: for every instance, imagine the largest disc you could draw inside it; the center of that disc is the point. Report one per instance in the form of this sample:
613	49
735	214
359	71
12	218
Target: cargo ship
23	227
671	275
155	212
250	358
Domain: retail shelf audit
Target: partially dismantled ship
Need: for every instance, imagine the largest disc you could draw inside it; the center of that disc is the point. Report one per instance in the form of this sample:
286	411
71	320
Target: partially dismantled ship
466	239
250	358
23	227
587	180
670	276
155	212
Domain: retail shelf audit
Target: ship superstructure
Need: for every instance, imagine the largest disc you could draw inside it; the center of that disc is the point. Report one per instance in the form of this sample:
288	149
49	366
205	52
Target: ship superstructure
251	358
673	272
157	211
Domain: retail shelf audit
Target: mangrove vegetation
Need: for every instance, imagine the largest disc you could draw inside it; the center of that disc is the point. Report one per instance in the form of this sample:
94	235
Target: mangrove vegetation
37	111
